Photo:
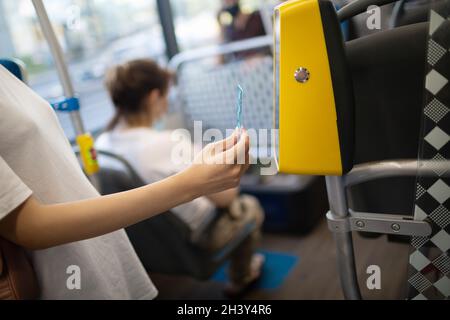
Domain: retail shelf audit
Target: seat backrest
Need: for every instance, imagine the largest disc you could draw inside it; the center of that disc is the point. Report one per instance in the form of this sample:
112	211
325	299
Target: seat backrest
208	93
388	86
16	67
116	174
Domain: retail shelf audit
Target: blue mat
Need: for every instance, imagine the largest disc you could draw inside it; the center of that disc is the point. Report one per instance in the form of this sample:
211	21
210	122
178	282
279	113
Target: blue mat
276	269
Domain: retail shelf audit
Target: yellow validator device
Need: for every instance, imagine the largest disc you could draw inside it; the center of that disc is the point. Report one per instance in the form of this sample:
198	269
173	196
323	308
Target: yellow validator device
313	107
88	154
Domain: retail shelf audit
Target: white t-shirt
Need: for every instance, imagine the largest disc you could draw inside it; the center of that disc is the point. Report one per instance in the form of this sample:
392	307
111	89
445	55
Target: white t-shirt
149	152
36	158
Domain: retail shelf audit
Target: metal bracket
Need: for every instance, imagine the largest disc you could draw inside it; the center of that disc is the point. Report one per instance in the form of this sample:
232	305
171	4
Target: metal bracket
378	223
66	104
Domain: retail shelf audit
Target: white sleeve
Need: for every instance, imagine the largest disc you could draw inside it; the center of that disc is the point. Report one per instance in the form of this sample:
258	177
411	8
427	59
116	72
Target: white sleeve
13	191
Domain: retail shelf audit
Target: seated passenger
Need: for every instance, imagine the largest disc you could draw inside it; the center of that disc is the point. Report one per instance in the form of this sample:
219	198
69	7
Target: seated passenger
139	91
236	25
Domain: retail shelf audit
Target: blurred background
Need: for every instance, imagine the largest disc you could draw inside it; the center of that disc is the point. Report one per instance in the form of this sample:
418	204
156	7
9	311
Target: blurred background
97	34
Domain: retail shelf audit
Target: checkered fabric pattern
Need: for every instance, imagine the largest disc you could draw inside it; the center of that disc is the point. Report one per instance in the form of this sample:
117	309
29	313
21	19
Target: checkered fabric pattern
429	276
208	93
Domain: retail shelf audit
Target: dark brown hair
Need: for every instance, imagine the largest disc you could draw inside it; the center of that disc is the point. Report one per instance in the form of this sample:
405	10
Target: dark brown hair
130	83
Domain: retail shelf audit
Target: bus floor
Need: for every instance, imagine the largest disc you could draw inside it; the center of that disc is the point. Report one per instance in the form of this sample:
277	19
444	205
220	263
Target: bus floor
315	275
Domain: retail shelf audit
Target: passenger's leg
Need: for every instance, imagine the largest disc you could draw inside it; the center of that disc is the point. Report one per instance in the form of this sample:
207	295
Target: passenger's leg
246	265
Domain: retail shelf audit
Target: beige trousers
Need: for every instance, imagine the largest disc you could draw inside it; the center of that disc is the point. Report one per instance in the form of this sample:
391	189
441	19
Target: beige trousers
230	222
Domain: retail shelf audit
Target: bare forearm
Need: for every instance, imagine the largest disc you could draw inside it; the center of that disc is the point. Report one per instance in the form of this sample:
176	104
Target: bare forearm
38	226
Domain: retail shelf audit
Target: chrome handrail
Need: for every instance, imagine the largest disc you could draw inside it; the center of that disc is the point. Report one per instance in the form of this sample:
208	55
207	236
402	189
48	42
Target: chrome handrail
396	168
217	50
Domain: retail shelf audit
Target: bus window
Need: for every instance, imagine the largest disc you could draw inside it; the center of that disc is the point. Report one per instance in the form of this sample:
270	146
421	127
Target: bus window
94	35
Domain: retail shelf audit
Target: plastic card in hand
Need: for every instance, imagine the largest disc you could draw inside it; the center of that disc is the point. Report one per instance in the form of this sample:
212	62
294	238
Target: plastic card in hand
239	103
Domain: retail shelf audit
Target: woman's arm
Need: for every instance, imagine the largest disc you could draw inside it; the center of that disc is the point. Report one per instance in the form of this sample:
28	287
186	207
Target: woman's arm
37	226
225	198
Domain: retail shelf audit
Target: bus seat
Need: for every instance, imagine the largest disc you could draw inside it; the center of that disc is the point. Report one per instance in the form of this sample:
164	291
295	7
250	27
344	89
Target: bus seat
208	92
16	67
401	116
163	243
388	88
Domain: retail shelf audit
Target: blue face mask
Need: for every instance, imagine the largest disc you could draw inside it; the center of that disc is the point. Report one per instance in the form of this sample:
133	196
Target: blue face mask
159	125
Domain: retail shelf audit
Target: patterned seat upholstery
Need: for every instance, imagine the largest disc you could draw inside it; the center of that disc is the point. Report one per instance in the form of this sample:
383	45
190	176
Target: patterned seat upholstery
429	260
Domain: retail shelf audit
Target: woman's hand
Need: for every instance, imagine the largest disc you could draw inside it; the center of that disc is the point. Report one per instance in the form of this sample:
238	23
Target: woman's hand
220	165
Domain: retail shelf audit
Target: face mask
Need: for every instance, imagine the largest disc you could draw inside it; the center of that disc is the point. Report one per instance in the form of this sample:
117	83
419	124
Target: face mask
159	125
173	100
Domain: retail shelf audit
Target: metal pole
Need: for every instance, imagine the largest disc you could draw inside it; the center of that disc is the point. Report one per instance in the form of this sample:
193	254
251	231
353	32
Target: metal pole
218	50
60	64
62	70
166	19
344	243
